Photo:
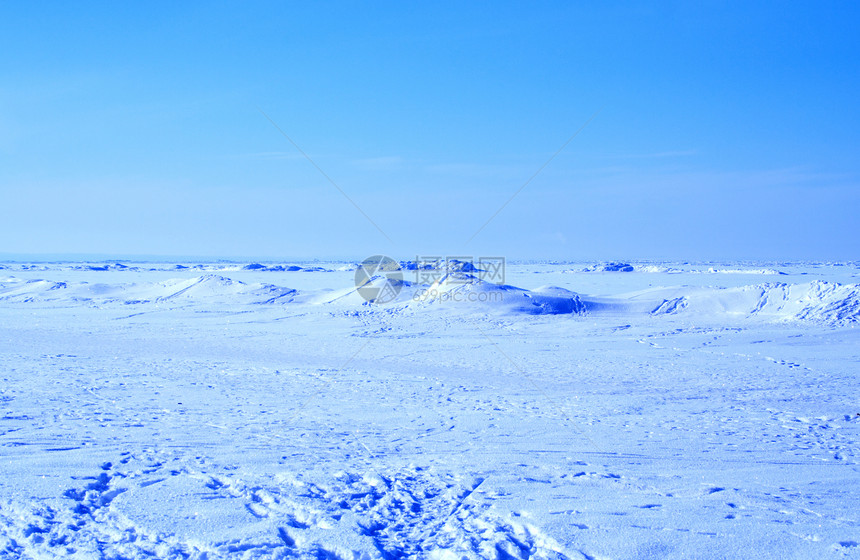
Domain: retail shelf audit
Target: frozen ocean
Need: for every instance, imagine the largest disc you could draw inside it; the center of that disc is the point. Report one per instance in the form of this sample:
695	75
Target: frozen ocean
567	411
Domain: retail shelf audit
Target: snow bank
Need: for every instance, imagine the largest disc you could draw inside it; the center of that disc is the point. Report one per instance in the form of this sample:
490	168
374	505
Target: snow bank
827	303
207	288
463	288
821	302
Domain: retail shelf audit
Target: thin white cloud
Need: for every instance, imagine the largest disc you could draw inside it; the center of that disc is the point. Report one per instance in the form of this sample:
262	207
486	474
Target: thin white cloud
469	169
382	163
656	155
271	155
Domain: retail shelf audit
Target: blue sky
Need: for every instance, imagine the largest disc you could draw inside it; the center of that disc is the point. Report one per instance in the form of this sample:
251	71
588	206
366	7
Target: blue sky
725	130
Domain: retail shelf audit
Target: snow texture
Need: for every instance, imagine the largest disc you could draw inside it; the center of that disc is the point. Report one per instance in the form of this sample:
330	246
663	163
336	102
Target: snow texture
574	411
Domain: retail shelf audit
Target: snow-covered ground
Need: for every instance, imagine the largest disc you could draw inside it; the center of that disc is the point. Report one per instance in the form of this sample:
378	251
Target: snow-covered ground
580	410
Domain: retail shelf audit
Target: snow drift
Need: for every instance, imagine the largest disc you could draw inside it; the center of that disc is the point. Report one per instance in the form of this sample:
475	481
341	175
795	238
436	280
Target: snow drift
208	288
464	288
821	302
828	303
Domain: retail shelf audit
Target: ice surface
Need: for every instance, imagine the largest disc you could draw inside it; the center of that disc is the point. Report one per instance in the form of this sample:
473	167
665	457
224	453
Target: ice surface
575	410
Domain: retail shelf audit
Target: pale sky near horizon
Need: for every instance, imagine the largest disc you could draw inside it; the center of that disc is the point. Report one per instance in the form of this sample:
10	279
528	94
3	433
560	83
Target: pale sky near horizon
722	131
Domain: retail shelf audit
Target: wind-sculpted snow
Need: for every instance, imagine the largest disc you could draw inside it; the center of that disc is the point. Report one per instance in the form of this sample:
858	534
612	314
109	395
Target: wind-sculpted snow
821	302
610	267
208	288
462	289
466	289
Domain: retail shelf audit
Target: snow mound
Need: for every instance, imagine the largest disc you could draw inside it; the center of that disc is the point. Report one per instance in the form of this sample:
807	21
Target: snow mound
15	289
657	269
609	267
463	288
388	290
213	287
820	302
208	288
459	290
282	268
443	265
102	267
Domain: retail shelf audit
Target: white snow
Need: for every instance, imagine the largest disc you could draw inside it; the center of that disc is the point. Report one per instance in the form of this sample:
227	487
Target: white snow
575	410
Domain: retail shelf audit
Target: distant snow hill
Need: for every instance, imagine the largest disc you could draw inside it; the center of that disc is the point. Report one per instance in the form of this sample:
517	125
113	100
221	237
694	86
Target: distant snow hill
821	302
208	288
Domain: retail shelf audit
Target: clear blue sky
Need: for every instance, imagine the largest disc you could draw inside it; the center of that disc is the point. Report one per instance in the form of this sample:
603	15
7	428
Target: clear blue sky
726	130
